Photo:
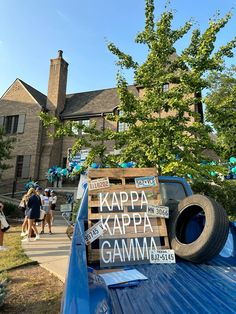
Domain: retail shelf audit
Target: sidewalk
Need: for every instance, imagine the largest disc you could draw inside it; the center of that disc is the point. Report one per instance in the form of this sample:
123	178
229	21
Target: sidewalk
51	251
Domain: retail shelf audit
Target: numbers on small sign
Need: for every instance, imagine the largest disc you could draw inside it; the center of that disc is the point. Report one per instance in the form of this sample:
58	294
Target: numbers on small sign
162	257
94	232
158	211
145	182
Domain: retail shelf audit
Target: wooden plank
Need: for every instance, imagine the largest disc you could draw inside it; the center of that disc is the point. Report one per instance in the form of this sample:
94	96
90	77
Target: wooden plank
118	173
112	215
128	188
95	203
129	235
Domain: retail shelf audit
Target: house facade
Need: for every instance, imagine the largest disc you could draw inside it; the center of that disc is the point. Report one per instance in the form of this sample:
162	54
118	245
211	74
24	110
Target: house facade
34	152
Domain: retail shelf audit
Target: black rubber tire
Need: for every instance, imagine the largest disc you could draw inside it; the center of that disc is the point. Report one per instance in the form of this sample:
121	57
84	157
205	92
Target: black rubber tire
213	236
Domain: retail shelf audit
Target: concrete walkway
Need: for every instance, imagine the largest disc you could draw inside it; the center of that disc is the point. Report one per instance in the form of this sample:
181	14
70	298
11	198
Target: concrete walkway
51	251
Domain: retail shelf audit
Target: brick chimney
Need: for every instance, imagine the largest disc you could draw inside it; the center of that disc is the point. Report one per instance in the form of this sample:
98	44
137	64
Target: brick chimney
50	153
57	84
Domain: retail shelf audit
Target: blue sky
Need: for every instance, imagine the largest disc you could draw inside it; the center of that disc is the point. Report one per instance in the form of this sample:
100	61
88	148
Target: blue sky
31	33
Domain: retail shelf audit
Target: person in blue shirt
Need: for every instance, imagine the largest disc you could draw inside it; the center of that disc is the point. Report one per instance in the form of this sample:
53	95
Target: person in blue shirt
32	213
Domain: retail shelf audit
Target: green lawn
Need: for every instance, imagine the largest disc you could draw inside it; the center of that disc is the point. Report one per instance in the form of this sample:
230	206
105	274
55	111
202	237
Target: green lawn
15	255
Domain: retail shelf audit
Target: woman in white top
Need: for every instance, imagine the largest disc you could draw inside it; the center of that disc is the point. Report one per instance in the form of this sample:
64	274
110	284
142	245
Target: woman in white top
53	206
47	202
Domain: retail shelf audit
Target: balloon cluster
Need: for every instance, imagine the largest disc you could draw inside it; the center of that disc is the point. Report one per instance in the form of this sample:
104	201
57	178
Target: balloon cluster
231	165
129	164
232	168
56	172
30	184
74	169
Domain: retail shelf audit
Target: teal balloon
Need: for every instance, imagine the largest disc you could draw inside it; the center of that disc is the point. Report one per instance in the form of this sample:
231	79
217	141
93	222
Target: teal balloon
59	169
77	167
64	172
124	165
94	165
233	170
213	173
232	160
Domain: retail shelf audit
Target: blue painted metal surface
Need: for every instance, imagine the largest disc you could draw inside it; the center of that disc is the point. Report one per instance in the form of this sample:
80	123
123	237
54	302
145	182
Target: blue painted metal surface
76	296
184	287
175	288
85	292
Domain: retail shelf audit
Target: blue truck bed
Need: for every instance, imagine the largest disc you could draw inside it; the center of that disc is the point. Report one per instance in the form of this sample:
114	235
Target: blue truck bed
183	287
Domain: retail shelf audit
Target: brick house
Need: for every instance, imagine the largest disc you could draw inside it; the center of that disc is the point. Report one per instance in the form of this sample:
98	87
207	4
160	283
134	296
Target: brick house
34	152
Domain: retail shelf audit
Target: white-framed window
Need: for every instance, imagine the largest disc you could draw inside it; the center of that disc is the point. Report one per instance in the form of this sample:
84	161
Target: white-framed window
85	122
165	87
74	128
122	126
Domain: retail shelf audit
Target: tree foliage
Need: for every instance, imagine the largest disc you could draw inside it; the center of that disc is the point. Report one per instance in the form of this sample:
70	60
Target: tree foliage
174	141
6	145
221	110
164	129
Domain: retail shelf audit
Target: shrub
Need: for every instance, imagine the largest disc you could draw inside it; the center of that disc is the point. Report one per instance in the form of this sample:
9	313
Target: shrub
224	192
11	210
3	292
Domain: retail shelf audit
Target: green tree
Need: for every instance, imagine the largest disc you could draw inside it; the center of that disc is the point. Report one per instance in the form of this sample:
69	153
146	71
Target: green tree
154	139
164	130
221	110
5	150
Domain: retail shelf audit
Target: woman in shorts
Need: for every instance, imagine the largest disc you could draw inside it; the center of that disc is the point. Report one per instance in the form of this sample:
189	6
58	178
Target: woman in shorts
47	202
32	213
54	201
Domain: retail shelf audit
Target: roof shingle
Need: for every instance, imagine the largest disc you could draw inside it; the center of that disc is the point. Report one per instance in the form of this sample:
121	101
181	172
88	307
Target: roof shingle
92	102
38	96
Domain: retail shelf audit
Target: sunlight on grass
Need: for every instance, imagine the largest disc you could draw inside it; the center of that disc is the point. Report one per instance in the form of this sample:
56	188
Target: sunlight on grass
15	255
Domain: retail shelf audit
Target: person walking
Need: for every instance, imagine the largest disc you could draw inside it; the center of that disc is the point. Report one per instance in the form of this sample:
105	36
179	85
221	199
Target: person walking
47	202
2	229
32	213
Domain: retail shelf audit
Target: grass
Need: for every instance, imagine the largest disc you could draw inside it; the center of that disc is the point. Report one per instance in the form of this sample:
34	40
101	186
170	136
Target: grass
3	276
29	288
15	255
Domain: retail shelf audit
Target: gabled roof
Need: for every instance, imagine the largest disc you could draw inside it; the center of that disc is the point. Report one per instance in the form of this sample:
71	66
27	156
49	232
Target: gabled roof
92	102
38	96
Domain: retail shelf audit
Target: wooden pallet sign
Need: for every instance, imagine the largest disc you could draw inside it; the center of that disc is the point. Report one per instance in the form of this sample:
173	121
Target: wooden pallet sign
119	198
